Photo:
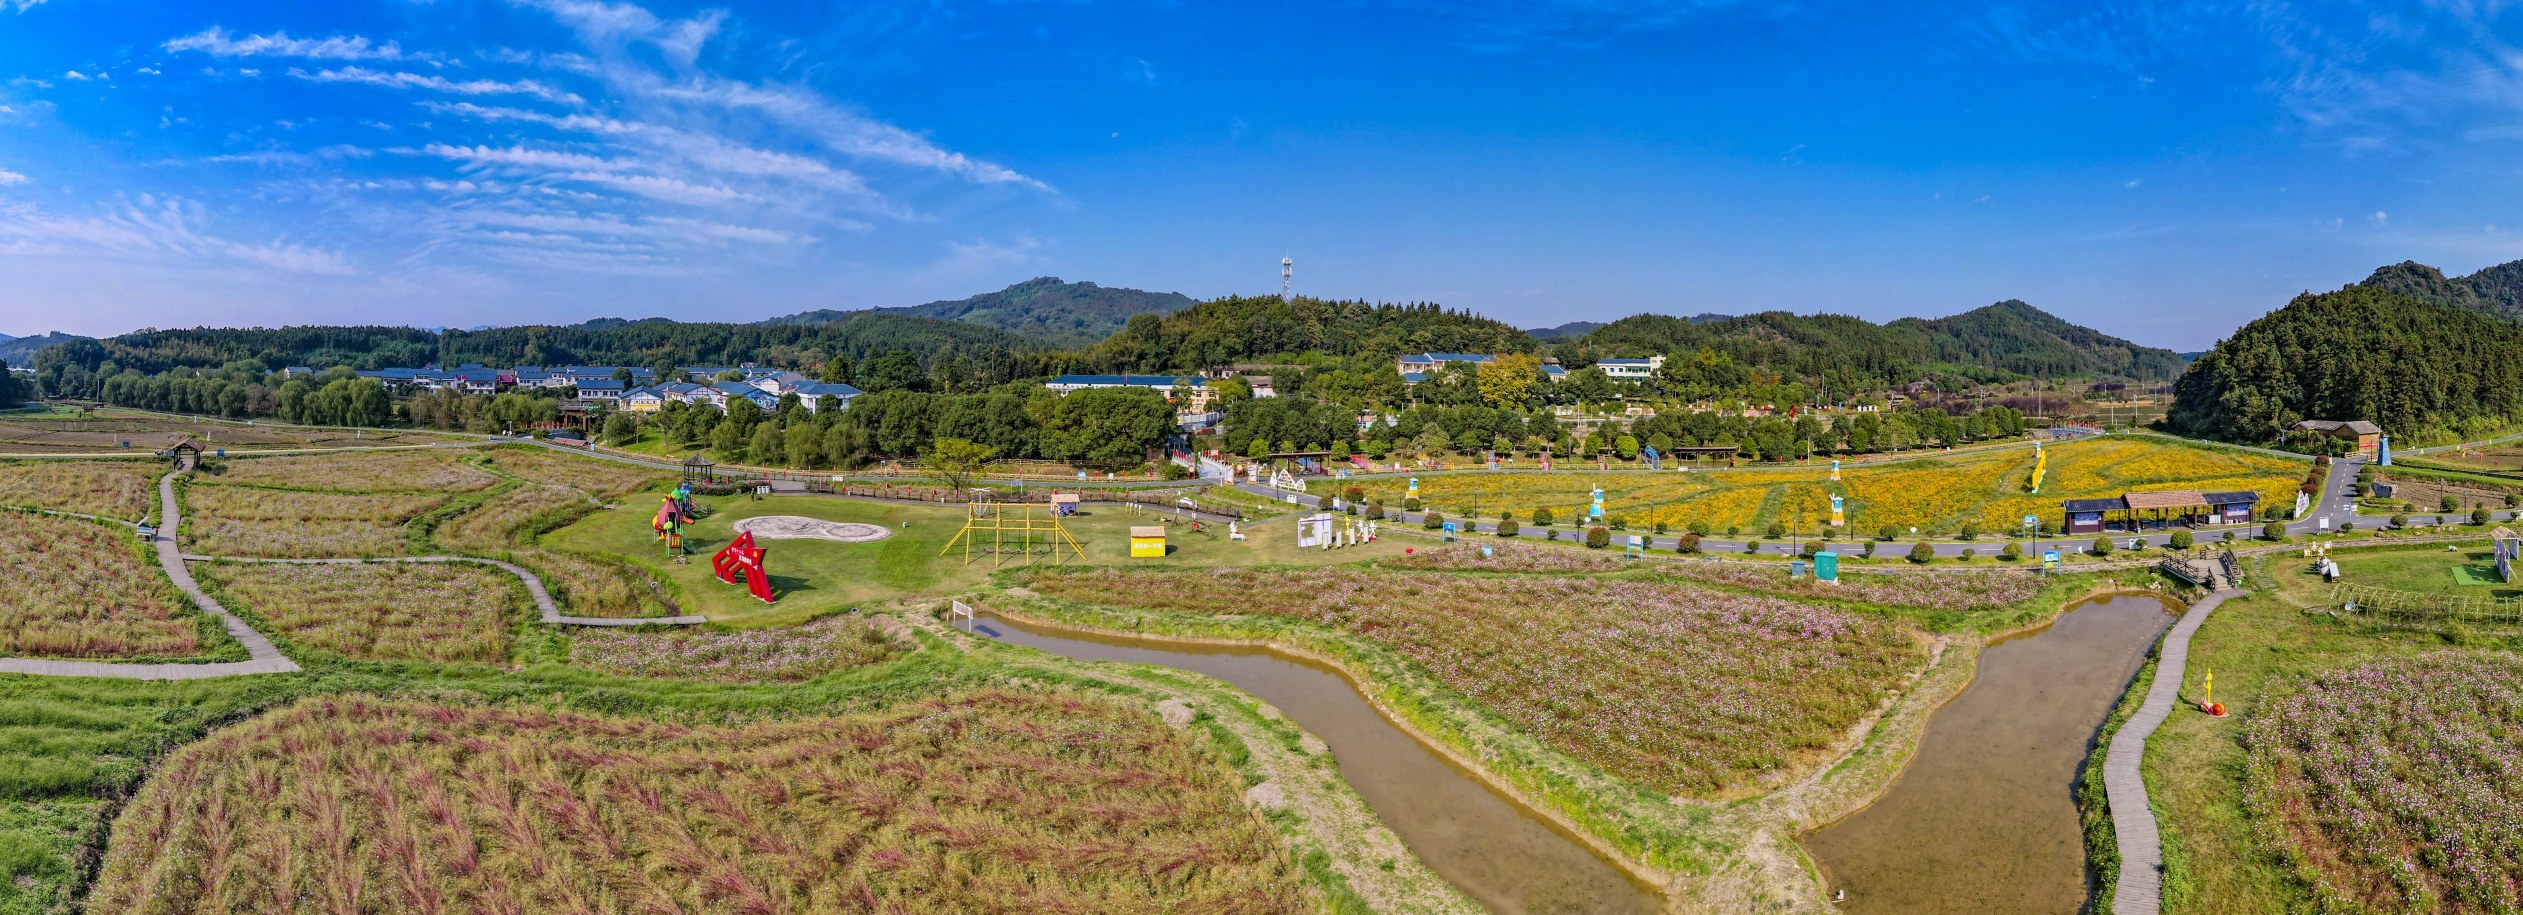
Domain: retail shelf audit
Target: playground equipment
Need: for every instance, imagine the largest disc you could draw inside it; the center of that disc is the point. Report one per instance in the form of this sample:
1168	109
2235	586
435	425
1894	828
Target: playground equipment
1021	520
742	557
1146	542
1654	461
673	512
2207	697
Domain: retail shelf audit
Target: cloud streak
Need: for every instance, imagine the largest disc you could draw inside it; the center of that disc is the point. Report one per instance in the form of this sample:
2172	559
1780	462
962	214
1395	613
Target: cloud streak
217	42
406	80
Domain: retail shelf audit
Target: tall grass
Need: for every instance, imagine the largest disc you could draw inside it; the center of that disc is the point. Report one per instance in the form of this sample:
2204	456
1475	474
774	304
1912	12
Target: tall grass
289	524
983	801
379	471
79	589
386	611
113	489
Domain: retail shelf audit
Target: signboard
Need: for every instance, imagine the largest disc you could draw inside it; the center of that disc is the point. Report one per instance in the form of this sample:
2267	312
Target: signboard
2303	503
1449	532
2050	560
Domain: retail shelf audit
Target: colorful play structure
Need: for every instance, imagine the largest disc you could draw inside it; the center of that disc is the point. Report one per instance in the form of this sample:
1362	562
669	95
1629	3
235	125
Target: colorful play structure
1013	527
742	557
674	513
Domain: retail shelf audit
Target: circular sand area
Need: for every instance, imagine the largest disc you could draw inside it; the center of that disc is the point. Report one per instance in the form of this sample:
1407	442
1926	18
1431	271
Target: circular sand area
792	527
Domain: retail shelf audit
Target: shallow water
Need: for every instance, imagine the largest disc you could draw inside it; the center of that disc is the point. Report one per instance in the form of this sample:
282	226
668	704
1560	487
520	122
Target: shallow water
1984	819
1503	856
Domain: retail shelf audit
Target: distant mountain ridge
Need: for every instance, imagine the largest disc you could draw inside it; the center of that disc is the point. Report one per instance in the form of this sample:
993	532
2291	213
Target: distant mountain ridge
1044	310
2009	338
20	351
2496	291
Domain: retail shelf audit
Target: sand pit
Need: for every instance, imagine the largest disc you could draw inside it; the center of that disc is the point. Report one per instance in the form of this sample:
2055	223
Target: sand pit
793	527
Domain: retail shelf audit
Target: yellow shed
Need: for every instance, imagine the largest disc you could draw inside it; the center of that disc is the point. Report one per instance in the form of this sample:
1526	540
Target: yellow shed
1147	542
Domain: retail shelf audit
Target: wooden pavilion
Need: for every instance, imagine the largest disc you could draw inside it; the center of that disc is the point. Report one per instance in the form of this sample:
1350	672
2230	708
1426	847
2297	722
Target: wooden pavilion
185	450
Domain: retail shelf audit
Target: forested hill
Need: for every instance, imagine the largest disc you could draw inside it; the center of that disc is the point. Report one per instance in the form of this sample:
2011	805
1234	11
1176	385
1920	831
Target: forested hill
795	346
1851	354
2424	370
1043	310
20	351
2014	337
1240	329
2496	291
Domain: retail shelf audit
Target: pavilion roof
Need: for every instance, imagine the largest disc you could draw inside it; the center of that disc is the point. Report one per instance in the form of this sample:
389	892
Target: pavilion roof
2171	498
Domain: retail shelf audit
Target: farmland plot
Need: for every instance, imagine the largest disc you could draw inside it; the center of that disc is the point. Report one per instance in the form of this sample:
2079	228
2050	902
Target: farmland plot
493	526
379	471
1685	689
1935	494
599	478
78	589
112	489
1981	591
287	524
974	802
385	611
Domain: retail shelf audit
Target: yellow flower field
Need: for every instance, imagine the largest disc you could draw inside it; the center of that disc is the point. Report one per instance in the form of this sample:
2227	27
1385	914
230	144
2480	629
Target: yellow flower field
1937	495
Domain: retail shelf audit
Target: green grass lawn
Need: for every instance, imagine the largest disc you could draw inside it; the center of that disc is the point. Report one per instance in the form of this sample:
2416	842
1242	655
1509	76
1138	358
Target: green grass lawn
2215	862
815	577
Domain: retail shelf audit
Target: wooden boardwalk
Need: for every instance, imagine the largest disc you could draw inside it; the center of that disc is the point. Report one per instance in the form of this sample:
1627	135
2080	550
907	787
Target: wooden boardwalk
2141	887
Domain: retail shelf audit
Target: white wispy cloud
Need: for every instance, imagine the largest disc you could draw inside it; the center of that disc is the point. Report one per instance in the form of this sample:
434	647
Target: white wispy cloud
392	79
8	177
602	23
155	231
844	130
217	42
20	6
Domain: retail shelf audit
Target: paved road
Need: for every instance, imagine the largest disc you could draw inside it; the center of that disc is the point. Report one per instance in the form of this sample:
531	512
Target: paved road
265	657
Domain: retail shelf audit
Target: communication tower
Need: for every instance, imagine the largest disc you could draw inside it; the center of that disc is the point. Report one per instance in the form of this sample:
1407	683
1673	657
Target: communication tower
1287	272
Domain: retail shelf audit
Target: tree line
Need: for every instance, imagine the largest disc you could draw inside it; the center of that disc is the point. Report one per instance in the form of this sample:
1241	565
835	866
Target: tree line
2426	372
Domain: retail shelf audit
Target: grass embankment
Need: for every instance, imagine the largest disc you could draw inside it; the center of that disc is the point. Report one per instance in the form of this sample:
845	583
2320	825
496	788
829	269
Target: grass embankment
2261	648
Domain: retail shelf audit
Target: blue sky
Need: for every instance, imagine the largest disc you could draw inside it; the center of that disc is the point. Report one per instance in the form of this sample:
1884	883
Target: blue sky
2163	171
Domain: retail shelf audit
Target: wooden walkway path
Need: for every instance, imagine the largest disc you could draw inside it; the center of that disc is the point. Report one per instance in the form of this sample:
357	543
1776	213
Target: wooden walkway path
2141	887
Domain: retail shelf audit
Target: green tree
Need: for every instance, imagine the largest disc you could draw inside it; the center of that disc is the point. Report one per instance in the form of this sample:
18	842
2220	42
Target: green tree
955	463
1107	428
1921	552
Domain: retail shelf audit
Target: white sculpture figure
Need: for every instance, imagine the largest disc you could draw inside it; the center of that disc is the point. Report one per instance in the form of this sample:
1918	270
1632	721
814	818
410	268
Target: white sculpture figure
1232	532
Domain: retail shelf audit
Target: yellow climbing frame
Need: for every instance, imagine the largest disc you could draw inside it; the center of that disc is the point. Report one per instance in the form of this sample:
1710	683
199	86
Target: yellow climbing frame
1019	521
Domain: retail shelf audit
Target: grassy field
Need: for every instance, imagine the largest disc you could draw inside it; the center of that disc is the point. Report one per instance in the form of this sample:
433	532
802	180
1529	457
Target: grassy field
746	656
817	577
602	479
2261	649
78	589
1936	494
299	524
951	804
1686	690
114	489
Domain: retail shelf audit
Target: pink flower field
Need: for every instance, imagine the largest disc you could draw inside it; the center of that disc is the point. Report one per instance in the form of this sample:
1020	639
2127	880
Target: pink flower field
1686	689
2397	786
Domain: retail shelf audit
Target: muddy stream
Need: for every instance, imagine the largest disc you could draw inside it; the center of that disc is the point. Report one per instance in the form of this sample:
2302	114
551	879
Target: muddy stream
1984	819
1499	853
